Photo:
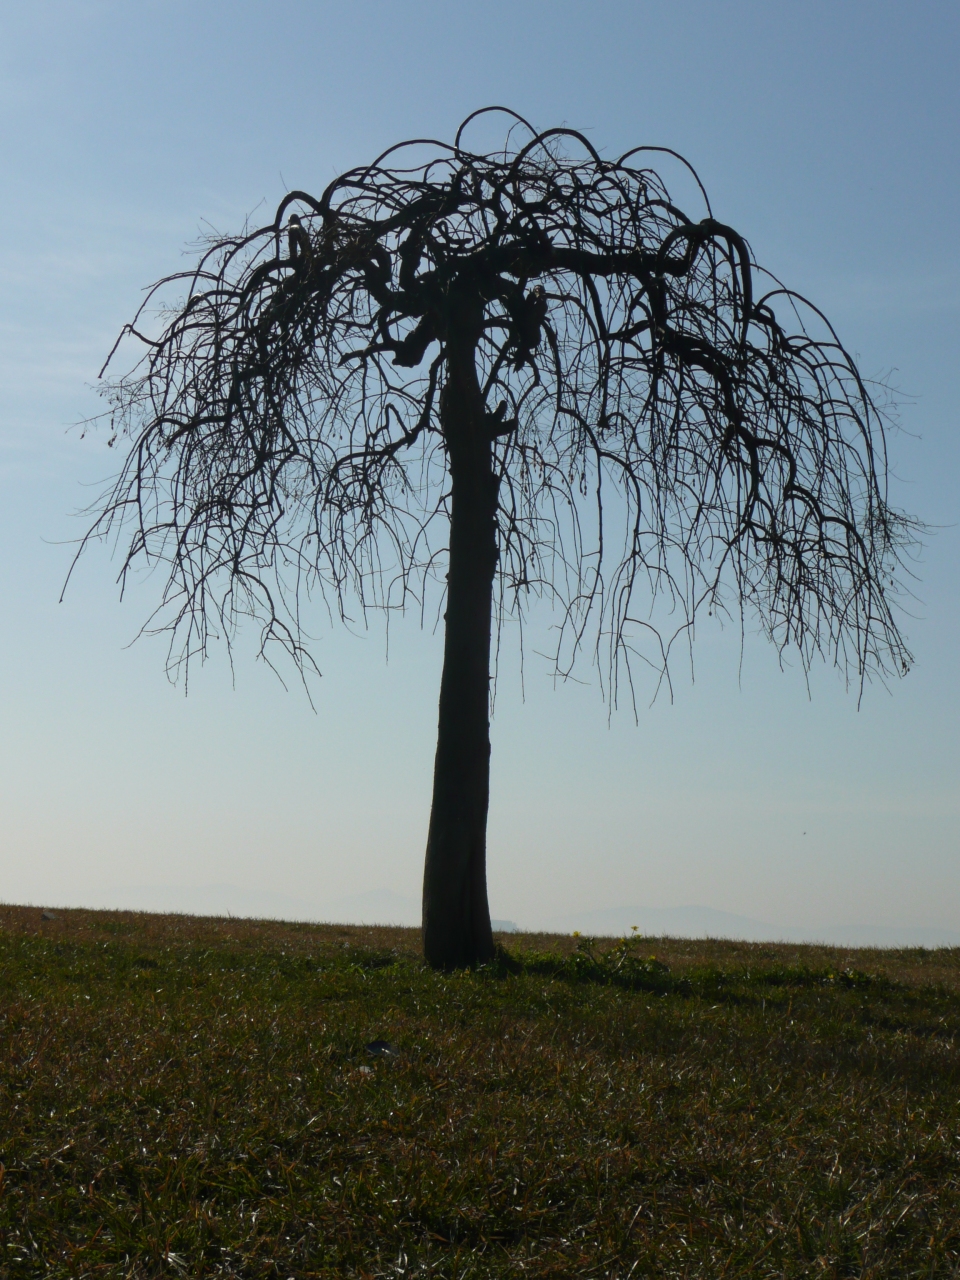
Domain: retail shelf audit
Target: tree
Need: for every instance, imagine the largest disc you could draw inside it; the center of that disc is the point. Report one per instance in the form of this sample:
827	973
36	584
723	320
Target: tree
527	371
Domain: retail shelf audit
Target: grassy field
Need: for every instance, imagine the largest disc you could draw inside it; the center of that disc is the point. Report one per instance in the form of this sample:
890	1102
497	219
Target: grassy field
184	1097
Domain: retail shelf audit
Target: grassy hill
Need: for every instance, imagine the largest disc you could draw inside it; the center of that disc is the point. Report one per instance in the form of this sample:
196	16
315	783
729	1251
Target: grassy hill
195	1097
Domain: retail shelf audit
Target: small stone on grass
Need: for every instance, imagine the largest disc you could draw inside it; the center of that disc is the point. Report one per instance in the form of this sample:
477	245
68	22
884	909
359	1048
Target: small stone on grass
382	1049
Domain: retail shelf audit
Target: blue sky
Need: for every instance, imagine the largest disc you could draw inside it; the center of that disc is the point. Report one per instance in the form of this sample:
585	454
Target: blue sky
827	133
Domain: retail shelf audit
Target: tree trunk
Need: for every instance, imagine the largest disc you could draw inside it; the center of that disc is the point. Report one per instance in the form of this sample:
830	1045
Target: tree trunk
456	915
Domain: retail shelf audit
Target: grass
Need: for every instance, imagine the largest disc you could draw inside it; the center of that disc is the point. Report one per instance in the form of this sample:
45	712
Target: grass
183	1097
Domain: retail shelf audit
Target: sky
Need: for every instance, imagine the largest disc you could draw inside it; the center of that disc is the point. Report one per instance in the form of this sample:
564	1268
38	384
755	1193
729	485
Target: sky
826	133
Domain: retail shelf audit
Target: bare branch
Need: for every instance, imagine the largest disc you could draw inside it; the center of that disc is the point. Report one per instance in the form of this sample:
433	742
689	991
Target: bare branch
658	431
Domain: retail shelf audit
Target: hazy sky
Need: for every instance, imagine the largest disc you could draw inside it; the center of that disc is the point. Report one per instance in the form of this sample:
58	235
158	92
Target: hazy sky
826	132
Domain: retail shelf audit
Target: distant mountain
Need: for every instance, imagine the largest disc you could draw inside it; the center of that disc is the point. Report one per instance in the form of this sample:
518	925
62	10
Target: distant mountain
675	922
707	922
200	900
382	906
379	906
869	935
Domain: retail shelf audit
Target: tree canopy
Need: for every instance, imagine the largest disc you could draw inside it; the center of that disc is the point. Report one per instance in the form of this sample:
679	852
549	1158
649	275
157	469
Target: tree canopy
633	407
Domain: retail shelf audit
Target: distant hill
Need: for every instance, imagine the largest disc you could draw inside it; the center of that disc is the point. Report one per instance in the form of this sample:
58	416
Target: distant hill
383	906
707	922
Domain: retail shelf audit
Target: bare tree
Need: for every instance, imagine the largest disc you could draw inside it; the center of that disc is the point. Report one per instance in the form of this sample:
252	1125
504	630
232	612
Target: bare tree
526	372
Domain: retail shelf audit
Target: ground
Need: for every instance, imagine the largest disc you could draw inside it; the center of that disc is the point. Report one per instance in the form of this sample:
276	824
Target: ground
195	1097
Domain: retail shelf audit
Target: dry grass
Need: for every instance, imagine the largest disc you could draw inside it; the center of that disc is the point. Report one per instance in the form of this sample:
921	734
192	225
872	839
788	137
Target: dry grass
193	1097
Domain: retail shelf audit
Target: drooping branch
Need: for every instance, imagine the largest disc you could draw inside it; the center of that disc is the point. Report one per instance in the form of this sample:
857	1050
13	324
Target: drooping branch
656	427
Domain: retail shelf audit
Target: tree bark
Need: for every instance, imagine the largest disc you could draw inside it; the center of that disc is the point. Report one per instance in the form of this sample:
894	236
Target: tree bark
456	915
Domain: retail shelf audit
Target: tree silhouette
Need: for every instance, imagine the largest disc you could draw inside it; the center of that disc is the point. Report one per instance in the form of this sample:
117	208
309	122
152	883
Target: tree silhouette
526	372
